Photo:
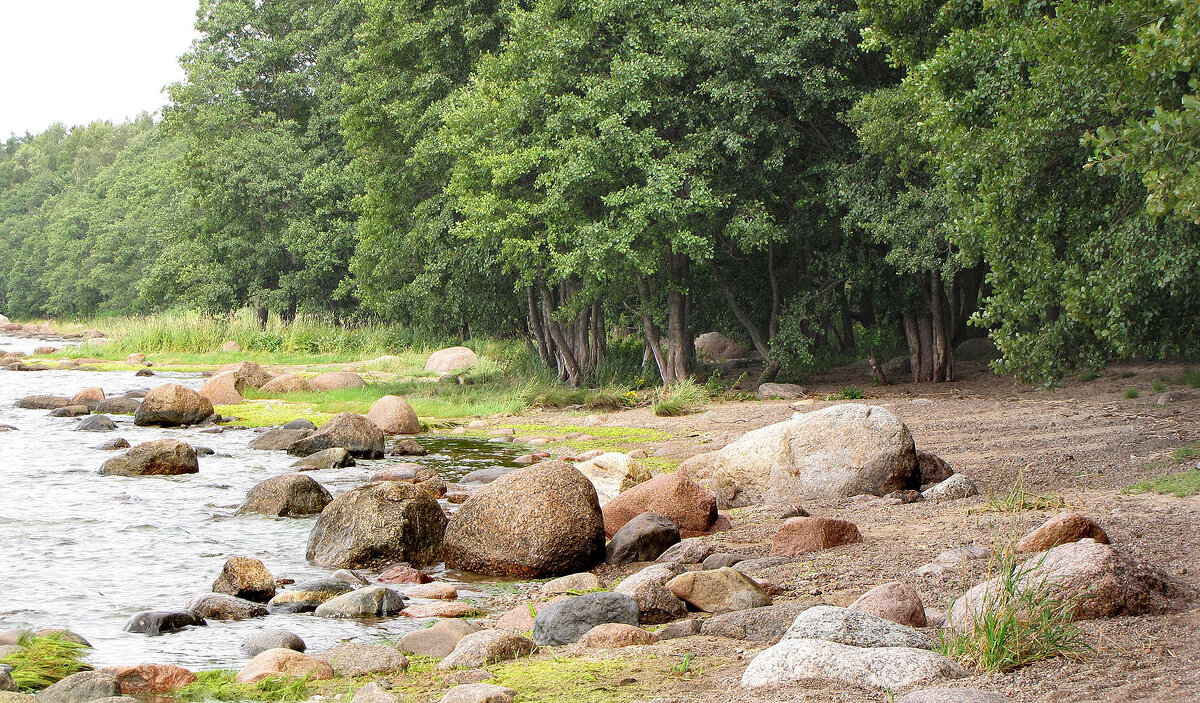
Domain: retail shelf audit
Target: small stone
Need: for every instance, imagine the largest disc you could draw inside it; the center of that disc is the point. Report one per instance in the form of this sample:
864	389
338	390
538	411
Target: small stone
149	679
487	647
332	458
448	609
305	598
801	535
765	624
374	693
584	581
680	628
258	642
568	620
849	627
716	561
956	487
893	601
614	635
953	695
648	587
479	693
83	687
245	577
435	591
114	444
1061	529
718	590
219	606
96	423
403	573
692	550
408	447
644	538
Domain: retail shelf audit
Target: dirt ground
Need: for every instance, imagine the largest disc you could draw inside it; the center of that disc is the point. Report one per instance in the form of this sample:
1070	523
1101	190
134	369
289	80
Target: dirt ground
1083	442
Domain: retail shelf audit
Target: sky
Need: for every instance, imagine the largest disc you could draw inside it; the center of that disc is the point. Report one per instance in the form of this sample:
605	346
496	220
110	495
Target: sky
77	61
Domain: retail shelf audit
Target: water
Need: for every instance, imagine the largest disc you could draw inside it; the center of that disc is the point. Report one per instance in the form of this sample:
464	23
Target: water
85	552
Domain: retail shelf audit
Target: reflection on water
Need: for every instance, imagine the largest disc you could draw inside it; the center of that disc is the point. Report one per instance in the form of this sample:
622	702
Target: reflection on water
85	552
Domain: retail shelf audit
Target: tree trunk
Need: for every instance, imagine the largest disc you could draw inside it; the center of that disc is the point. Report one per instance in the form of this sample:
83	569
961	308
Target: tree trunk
537	329
679	344
650	331
773	322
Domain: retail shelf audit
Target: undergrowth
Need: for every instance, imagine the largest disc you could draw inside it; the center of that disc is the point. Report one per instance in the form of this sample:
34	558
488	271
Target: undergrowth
683	398
45	660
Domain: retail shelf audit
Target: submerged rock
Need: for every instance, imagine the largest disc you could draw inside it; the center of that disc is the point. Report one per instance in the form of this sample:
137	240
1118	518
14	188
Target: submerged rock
161	457
155	622
286	495
368	602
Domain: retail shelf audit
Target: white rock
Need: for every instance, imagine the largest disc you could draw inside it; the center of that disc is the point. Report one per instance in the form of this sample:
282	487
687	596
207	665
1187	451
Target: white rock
612	474
798	660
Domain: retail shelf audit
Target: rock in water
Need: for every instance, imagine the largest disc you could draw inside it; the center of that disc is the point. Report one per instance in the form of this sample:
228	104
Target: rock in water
161	457
43	402
566	621
354	433
643	538
306	597
280	438
96	423
367	602
376	525
118	406
222	389
394	415
286	495
451	360
156	622
151	679
244	577
70	411
542	520
81	688
332	458
837	452
171	405
408	447
89	398
258	642
219	606
248	374
677	498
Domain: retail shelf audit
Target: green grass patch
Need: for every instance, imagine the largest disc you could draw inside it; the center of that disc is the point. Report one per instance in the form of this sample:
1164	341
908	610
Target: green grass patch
1016	499
1088	375
1132	392
847	393
1184	484
1190	377
582	681
268	413
1158	386
683	398
661	465
219	685
45	661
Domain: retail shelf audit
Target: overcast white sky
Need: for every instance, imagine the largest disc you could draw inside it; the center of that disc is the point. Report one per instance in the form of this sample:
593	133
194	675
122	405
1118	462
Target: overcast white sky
76	61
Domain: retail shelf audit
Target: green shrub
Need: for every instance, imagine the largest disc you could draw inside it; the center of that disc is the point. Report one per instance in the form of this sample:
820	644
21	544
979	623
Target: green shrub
683	398
847	393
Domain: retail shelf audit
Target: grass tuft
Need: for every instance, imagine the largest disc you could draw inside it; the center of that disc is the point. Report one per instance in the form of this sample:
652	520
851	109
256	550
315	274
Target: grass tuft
1190	377
1132	392
847	393
1016	499
45	661
219	685
683	398
1181	485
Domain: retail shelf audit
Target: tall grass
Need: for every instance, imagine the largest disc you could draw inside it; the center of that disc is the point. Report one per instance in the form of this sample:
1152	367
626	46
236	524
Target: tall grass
683	398
45	660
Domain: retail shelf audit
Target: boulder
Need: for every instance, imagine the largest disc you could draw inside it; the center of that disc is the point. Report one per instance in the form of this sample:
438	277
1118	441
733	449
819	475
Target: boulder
118	406
853	628
403	573
306	597
90	397
219	606
1100	581
487	647
394	415
583	581
96	423
367	602
692	550
300	423
157	622
284	662
230	346
377	524
352	659
933	468
956	487
244	577
161	457
718	591
614	635
171	405
612	474
485	476
277	439
648	588
451	609
287	383
83	687
262	640
222	389
677	498
479	693
408	447
43	402
714	346
332	458
977	349
643	538
893	601
247	374
337	380
841	451
953	695
150	679
437	641
451	360
801	535
804	660
786	391
286	495
542	520
1061	529
766	624
354	433
568	620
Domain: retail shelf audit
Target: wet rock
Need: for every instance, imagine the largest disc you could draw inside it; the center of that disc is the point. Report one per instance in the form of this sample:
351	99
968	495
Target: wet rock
351	659
366	602
679	628
692	550
451	359
692	509
849	627
247	373
67	635
479	693
223	389
615	635
485	476
161	457
337	380
351	577
96	423
244	577
144	372
485	647
583	581
786	391
719	590
118	406
354	433
800	660
568	620
286	495
278	439
332	458
893	601
84	687
219	606
149	679
451	609
612	474
403	573
953	695
89	397
305	597
43	402
765	624
437	641
394	415
114	444
258	642
643	538
284	662
374	692
70	411
408	447
171	405
932	468
836	452
1061	529
377	524
539	521
648	588
802	535
155	622
287	383
956	487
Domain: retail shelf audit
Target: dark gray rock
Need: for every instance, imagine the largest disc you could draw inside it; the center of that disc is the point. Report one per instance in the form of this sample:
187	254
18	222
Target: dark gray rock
643	538
765	624
280	439
286	495
156	622
299	424
160	457
720	559
566	621
120	405
221	606
43	402
96	423
376	525
369	602
70	411
332	458
350	431
114	444
680	628
258	642
84	687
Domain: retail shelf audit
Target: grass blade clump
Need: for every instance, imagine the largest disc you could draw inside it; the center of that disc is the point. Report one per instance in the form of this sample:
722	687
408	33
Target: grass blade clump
683	398
219	685
45	660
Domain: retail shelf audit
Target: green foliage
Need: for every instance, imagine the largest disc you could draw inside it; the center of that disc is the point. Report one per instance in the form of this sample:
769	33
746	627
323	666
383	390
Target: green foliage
1190	377
1132	392
684	398
218	685
44	661
1184	484
847	393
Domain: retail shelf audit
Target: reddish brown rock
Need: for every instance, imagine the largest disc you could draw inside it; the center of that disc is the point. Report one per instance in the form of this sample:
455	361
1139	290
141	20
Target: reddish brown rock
284	662
894	601
151	678
677	498
933	468
613	635
394	415
435	591
403	573
247	374
1061	529
801	535
287	383
222	389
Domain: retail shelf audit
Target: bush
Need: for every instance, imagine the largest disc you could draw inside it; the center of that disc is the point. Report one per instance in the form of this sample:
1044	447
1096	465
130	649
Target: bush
683	398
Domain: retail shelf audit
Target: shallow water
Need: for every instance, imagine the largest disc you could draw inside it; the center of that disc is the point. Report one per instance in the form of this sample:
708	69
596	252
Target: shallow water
85	552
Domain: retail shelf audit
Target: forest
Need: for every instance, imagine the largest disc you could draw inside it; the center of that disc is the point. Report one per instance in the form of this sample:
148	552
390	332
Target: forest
811	177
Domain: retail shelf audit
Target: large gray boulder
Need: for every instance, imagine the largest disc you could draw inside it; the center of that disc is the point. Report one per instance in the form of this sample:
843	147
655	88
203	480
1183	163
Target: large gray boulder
351	431
161	457
367	602
802	660
286	495
840	451
566	621
376	525
172	405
